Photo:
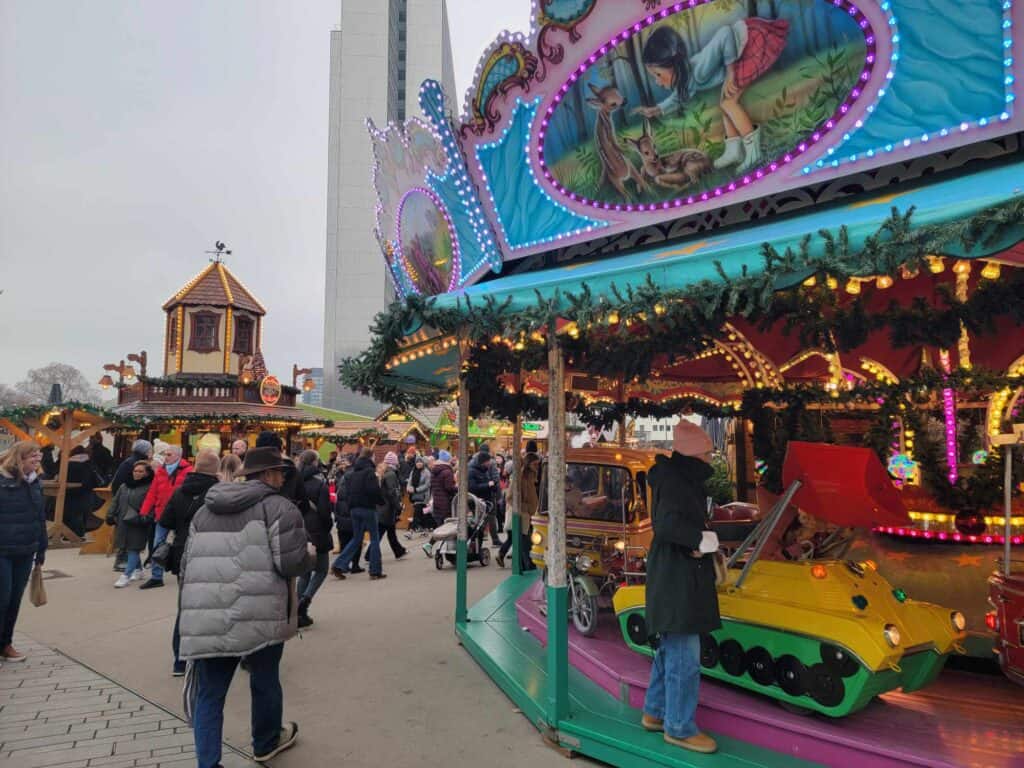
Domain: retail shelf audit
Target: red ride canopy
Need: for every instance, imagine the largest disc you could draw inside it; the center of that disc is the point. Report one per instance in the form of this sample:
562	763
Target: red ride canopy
845	486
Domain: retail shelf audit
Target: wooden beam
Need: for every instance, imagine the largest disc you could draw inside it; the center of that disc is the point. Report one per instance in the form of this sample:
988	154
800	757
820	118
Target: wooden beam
59	528
15	430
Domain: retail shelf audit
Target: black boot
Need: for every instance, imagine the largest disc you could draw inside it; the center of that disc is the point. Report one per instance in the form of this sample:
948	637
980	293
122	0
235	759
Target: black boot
304	619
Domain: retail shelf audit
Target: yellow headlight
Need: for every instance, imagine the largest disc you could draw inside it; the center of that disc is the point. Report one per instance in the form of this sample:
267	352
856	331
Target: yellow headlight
892	635
958	621
536	538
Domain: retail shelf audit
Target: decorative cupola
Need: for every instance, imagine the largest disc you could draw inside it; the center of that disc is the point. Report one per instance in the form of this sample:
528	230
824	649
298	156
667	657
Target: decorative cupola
212	324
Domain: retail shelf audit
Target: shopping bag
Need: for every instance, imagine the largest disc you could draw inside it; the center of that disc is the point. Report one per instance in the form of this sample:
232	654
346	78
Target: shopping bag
36	590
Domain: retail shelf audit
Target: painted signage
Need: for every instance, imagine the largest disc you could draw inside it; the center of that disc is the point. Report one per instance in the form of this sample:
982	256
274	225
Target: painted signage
270	390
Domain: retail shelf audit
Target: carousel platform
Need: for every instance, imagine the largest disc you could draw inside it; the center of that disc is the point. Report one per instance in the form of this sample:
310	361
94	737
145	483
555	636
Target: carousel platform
963	719
599	726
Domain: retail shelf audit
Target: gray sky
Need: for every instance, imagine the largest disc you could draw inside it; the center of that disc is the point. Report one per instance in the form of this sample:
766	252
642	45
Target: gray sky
134	134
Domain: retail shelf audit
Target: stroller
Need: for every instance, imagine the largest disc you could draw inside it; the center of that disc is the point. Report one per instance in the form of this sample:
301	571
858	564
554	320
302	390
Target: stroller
443	539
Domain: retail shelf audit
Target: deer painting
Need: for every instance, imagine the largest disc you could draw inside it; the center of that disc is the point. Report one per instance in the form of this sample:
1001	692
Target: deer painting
675	170
616	168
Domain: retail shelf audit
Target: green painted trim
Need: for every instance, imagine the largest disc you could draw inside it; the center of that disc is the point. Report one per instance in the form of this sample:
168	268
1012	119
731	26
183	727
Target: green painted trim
601	726
517	566
558	653
461	564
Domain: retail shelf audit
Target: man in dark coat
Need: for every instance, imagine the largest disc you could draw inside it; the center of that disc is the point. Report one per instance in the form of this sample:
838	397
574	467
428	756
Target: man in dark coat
682	602
317	516
293	489
484	484
363	495
177	516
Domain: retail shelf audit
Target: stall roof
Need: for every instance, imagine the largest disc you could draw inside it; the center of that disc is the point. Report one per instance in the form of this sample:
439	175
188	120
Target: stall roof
351	431
155	411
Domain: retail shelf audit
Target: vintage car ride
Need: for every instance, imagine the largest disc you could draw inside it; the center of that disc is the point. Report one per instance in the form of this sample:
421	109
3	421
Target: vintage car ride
822	635
1006	619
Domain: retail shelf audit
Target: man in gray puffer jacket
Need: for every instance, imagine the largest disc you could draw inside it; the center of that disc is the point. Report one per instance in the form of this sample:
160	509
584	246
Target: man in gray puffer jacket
246	546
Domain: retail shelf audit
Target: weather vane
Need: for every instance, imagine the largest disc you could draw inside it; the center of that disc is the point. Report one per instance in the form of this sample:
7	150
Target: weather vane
218	255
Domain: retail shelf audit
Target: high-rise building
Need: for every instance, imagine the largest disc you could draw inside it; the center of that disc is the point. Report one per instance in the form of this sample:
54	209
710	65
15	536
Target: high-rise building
379	57
316	395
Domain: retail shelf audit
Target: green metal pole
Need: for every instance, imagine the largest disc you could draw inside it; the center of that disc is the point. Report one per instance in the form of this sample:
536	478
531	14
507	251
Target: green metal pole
514	497
461	610
557	589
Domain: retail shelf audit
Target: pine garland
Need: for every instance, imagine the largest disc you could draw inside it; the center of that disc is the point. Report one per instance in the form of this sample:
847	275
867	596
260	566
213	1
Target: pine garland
681	323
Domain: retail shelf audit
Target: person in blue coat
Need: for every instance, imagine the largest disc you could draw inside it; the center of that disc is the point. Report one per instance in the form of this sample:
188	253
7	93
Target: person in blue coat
22	535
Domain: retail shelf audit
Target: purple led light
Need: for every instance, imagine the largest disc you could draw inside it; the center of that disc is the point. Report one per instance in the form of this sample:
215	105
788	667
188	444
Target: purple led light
456	251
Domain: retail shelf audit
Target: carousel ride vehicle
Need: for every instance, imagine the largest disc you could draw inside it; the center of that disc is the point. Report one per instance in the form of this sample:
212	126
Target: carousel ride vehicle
608	526
1006	619
817	635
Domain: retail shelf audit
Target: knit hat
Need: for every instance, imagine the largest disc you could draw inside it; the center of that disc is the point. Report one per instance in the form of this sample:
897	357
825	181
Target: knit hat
391	459
690	440
159	446
485	448
268	439
142	447
443	455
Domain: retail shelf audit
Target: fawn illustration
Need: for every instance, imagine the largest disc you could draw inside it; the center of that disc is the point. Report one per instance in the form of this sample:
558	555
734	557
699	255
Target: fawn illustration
675	170
616	168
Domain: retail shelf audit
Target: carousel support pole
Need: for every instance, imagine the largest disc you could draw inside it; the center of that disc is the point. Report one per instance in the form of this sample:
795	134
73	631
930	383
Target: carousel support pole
557	588
1007	505
461	613
622	431
516	527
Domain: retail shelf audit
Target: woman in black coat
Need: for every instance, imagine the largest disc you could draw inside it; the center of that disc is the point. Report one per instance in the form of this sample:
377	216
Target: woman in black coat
317	514
682	602
22	535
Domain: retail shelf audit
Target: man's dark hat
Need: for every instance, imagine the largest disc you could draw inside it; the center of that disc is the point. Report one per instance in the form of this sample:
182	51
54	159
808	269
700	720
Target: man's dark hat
260	459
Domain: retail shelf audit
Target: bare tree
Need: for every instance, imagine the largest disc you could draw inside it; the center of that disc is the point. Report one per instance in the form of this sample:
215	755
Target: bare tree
38	382
11	398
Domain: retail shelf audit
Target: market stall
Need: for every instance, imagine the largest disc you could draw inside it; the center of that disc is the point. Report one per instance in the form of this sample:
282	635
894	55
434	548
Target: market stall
834	275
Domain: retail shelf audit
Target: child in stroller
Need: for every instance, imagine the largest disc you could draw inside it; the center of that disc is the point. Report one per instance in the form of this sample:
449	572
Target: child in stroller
443	539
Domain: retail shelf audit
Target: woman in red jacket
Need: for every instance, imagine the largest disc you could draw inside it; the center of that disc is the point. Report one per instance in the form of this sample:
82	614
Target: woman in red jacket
168	478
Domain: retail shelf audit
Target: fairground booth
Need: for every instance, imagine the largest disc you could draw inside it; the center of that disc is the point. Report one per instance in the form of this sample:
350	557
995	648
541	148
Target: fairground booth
803	217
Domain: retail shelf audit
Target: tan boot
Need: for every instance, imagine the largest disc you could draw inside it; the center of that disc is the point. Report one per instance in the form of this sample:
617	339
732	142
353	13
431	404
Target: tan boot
652	723
699	742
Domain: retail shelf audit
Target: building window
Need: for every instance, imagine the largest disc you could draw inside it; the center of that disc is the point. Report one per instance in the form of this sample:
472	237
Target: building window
172	334
245	330
205	332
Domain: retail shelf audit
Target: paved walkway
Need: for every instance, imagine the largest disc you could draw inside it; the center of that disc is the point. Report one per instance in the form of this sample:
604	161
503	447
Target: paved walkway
57	712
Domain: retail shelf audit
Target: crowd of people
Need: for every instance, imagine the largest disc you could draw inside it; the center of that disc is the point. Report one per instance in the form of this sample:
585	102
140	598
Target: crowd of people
253	511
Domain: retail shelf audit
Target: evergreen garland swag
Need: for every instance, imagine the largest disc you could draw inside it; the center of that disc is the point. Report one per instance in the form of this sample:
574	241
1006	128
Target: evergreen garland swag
679	323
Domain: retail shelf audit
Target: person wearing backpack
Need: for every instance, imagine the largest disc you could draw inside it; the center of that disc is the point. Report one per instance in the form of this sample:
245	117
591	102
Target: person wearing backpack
177	517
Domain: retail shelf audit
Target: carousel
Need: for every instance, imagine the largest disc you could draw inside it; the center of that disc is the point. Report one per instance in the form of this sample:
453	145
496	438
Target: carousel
814	235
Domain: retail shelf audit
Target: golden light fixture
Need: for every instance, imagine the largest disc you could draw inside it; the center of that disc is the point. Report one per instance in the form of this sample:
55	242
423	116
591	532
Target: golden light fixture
852	286
936	265
810	282
106	382
991	271
883	282
831	282
309	385
962	267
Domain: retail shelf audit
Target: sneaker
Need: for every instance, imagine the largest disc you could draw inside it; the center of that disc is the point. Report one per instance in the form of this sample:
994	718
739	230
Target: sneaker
305	621
137	575
699	742
123	581
152	584
179	669
289	734
403	554
375	576
338	573
12	656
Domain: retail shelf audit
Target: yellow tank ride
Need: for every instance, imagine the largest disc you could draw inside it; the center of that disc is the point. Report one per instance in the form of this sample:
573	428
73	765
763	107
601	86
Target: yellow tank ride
825	636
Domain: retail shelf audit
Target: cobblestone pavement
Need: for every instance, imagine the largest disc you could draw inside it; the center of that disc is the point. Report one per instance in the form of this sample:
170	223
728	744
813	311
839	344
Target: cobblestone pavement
57	712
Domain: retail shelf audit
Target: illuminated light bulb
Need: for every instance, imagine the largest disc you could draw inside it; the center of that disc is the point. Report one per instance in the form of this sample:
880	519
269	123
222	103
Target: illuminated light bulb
613	318
659	309
962	267
936	265
832	283
810	282
990	271
852	286
883	282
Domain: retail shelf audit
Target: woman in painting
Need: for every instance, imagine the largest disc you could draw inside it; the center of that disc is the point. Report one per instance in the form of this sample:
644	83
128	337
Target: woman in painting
736	56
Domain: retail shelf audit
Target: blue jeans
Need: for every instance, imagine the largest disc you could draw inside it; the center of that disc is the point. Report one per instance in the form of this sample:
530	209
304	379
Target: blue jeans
213	681
158	538
310	581
675	678
363	520
132	563
14	573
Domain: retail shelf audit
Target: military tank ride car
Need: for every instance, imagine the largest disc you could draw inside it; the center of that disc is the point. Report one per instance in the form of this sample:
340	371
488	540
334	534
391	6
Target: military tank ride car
825	636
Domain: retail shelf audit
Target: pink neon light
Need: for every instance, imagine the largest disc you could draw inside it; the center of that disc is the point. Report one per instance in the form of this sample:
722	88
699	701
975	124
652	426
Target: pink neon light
913	533
949	413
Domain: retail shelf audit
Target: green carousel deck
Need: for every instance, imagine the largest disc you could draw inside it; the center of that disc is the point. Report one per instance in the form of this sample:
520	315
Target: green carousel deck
598	725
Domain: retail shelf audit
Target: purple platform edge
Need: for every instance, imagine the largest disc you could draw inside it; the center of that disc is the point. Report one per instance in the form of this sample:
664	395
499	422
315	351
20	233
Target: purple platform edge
921	729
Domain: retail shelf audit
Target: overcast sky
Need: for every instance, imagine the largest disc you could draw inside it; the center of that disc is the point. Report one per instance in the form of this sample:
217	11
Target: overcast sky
132	135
